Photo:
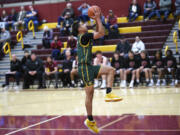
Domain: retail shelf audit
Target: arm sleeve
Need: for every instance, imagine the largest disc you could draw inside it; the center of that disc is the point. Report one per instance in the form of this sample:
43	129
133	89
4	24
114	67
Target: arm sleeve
86	38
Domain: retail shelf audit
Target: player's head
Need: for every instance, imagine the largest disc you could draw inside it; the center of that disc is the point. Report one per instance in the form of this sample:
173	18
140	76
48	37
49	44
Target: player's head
49	59
13	57
137	39
79	28
169	53
116	55
143	54
26	53
158	54
131	55
99	54
33	56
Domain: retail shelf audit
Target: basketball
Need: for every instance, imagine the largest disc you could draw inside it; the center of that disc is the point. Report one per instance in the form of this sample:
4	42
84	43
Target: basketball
92	9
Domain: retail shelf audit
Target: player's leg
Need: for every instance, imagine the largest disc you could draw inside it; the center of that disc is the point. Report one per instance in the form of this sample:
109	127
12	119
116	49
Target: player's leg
150	77
74	73
109	72
138	72
103	85
123	82
146	76
133	72
127	72
173	76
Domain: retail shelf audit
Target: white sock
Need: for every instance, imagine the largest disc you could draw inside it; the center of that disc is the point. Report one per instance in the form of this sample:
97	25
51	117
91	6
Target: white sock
72	81
152	81
104	81
147	80
158	81
137	80
164	80
132	81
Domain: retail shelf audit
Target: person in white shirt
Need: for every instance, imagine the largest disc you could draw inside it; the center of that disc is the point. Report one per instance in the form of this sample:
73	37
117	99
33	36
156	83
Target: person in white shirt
138	46
100	60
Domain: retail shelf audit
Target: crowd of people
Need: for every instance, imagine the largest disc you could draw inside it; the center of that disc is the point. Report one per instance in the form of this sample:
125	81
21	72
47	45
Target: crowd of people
131	62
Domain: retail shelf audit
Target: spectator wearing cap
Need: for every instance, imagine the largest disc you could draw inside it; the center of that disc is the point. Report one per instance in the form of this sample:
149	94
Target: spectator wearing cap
67	23
134	11
84	12
138	46
69	10
112	22
47	37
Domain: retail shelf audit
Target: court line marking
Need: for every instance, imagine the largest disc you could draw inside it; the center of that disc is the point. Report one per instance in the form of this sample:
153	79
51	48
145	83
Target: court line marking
112	122
105	130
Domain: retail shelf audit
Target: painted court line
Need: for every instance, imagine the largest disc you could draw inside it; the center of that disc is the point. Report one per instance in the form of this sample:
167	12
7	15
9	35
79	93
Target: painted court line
117	120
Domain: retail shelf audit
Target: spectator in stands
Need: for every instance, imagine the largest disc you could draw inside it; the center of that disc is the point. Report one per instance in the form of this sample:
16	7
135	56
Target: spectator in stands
67	23
74	71
158	66
131	64
72	43
170	65
67	67
56	46
51	70
165	9
118	63
12	18
100	60
112	25
32	15
47	37
25	59
68	9
34	70
134	11
138	46
84	12
20	19
177	5
150	9
123	47
4	16
15	72
4	37
145	67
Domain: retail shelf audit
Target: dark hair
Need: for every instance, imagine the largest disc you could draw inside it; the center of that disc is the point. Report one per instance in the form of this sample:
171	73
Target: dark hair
98	52
116	52
170	52
26	51
75	28
33	53
159	52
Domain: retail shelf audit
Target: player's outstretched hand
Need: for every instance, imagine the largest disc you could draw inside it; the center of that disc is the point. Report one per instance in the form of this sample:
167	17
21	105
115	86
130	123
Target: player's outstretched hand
97	14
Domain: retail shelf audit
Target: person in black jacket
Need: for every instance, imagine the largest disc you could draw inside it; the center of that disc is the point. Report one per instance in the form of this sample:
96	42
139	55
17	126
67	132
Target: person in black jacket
131	64
123	47
34	69
145	67
170	65
15	72
67	67
24	59
118	63
134	11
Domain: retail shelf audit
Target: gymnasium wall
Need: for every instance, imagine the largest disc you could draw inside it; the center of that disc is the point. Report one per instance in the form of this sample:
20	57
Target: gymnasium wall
51	11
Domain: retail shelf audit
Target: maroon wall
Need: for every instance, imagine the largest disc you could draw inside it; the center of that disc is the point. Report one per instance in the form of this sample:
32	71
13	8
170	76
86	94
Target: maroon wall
50	12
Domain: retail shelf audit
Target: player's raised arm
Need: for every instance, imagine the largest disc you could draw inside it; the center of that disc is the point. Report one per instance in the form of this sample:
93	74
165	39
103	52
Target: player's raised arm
100	29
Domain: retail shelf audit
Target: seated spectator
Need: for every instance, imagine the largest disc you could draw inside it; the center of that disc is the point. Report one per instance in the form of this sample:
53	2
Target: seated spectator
131	64
72	43
67	67
123	47
12	18
84	13
150	10
158	66
100	60
138	46
68	9
74	71
15	72
4	16
47	37
56	46
118	63
67	23
170	65
177	5
34	70
51	70
25	58
145	67
4	37
32	15
165	9
20	19
134	11
112	25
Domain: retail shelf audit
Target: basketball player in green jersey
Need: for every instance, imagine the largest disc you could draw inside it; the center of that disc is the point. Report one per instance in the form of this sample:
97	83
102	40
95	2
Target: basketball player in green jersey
87	71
